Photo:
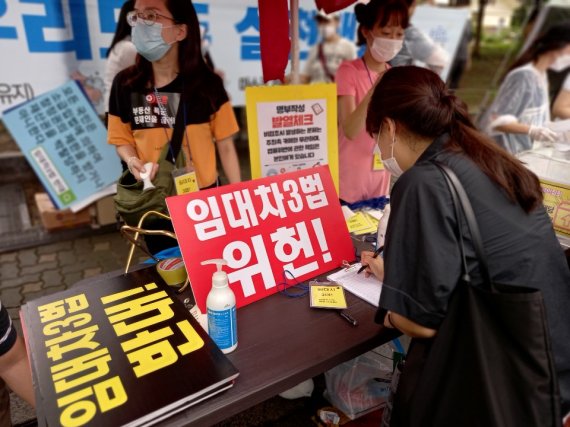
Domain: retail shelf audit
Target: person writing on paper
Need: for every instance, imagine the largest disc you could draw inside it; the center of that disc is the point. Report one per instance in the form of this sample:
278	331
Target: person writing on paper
519	114
144	98
381	29
416	119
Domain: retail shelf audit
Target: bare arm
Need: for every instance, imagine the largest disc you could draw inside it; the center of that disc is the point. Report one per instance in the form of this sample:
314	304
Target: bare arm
352	117
561	107
514	127
15	371
407	326
229	159
394	320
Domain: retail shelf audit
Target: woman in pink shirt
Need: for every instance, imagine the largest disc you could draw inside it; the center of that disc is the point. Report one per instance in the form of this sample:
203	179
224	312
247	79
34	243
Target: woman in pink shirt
362	174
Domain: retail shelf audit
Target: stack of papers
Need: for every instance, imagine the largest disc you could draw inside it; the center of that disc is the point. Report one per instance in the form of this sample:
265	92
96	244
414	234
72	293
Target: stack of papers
363	221
367	288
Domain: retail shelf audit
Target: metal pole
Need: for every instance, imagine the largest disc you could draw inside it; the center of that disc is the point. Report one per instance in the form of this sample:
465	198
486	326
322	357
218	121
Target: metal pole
294	10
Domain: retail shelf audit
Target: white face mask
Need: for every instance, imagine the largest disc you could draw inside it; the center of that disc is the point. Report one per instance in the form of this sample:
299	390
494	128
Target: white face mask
384	50
561	63
390	164
148	40
327	31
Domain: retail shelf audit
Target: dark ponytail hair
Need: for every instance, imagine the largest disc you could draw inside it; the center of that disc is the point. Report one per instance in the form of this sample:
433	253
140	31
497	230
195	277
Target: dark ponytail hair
556	37
123	28
418	100
382	13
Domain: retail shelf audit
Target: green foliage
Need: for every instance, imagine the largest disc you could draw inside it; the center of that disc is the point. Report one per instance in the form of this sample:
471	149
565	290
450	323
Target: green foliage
519	16
501	39
477	83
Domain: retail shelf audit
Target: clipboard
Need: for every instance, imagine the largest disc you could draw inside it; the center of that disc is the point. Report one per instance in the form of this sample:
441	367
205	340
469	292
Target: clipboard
366	288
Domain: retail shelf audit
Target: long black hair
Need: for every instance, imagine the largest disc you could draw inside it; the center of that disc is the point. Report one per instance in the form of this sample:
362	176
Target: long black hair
556	37
196	74
418	100
123	28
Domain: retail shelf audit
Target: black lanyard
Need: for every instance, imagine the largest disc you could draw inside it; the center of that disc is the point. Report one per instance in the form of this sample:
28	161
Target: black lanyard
368	71
175	142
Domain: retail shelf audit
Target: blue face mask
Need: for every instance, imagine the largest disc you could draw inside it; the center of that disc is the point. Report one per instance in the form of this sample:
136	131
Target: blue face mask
148	40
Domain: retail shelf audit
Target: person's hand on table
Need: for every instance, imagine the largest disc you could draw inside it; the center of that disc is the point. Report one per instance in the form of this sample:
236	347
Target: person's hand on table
375	266
539	133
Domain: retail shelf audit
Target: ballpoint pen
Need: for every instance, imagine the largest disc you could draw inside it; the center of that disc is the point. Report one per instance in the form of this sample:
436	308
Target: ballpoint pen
348	318
376	253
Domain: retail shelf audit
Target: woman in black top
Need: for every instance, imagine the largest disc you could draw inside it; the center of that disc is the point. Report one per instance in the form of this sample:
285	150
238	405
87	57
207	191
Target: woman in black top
143	107
416	119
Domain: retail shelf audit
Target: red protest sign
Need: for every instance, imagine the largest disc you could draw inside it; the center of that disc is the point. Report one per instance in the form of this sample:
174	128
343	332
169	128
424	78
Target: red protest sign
262	227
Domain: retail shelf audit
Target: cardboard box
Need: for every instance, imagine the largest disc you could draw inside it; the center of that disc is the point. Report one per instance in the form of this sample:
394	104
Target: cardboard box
557	204
554	175
106	212
53	219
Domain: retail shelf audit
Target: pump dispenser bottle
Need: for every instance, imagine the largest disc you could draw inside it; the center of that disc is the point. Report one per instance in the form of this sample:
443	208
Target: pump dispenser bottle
221	309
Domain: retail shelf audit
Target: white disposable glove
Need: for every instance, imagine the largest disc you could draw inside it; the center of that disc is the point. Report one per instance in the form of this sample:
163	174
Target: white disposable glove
538	133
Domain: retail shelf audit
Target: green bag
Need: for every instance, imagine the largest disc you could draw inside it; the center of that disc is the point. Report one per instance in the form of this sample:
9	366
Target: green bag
132	203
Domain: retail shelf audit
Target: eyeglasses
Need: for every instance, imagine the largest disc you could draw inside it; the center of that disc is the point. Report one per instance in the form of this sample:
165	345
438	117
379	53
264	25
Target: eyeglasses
148	17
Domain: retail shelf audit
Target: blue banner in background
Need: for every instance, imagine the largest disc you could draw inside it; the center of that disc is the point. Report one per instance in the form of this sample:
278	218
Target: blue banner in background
47	42
55	40
65	142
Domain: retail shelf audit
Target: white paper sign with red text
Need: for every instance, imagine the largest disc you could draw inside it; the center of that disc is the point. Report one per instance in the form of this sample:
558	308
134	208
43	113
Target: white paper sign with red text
262	227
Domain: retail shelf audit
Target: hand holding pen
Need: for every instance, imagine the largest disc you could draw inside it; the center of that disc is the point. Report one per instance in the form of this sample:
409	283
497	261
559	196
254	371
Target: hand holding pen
374	255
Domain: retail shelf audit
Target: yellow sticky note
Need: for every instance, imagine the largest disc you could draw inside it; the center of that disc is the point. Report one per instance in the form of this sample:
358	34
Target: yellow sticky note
187	183
360	223
377	164
328	296
373	220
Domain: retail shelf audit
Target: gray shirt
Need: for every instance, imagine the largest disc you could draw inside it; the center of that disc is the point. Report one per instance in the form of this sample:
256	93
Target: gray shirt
417	46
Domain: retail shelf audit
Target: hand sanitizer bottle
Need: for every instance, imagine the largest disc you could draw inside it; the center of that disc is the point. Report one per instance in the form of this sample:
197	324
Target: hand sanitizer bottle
221	309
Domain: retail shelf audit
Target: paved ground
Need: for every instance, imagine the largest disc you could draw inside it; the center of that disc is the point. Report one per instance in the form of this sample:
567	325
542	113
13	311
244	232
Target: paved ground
31	273
39	271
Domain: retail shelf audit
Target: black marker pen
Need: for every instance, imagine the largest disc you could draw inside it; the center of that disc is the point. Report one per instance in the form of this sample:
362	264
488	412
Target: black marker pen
348	318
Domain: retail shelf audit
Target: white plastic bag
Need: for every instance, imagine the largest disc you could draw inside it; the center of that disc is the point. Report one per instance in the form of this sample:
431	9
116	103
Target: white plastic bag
361	385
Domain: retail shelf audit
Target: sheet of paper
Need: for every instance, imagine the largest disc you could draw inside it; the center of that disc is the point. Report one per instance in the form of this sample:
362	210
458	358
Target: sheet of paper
559	125
75	207
375	213
367	288
346	211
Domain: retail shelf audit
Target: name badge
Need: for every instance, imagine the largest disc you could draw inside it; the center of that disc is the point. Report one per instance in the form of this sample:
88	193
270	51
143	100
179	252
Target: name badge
185	181
377	164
